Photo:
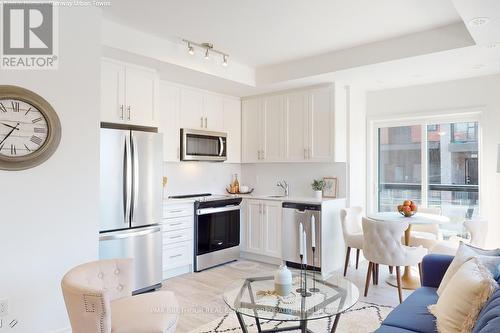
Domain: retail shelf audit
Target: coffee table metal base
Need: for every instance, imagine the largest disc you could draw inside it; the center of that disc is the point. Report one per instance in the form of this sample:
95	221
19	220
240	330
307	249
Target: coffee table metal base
302	327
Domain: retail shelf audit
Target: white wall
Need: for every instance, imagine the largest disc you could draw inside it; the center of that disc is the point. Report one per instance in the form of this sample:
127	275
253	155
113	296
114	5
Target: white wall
263	177
49	214
482	93
198	177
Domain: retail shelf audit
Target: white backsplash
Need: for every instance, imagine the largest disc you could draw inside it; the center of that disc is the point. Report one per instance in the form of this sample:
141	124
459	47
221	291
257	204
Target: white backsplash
263	177
198	177
211	177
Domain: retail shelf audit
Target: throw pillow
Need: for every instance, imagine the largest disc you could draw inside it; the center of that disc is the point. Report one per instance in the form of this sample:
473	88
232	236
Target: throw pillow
489	258
464	297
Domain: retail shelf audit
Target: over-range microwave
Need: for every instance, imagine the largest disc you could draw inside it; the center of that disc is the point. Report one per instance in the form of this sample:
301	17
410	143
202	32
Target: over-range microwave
200	145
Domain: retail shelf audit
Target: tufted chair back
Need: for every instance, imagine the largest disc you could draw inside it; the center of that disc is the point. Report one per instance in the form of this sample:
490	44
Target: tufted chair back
431	228
478	230
351	221
382	242
88	290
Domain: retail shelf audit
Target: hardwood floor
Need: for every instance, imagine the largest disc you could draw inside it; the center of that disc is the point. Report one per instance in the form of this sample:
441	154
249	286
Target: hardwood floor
200	294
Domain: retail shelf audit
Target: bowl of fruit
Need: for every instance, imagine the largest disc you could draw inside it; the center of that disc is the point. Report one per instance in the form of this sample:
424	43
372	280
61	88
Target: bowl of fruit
408	208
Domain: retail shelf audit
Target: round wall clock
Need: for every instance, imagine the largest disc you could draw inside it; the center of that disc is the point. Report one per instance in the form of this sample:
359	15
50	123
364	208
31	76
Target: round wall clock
30	129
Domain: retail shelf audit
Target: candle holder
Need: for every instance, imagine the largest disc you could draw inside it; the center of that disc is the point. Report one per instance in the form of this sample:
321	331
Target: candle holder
314	289
303	279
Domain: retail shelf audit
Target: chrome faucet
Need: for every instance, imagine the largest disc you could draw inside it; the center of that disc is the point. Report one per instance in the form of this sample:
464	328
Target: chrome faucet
284	185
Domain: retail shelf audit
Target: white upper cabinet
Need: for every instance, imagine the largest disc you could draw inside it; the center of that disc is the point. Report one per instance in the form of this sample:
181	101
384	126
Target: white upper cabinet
168	115
112	92
141	94
274	129
251	120
191	109
232	126
184	107
321	125
129	94
213	112
297	118
302	126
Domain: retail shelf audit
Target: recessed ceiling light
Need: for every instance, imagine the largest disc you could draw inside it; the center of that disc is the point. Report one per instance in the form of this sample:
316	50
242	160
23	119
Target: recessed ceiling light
477	22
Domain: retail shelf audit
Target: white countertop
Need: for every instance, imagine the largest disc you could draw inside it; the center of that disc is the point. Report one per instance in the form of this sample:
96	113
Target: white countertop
298	199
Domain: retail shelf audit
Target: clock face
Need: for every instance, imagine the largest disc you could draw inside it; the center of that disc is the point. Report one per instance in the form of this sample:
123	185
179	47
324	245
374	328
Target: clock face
23	128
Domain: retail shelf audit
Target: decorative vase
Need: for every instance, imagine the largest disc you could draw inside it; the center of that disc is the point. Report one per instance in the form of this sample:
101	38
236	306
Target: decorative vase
318	194
283	280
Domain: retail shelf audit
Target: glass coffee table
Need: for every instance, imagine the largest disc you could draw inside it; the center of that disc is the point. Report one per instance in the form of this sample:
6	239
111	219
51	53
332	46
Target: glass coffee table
255	298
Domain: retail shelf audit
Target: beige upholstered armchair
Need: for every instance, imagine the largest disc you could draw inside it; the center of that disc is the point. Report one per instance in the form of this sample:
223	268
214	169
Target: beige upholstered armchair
98	297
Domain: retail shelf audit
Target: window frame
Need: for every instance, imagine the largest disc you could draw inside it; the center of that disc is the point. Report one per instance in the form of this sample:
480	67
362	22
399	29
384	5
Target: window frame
423	119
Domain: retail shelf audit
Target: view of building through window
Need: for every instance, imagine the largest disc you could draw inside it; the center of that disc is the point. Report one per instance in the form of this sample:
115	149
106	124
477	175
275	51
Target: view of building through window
451	177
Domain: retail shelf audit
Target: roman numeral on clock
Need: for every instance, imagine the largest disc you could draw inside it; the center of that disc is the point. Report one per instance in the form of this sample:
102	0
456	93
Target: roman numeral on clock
27	111
3	108
40	130
15	106
36	140
27	148
37	120
13	150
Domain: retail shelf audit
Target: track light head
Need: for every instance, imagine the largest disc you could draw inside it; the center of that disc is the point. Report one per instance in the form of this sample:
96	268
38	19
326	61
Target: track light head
190	49
224	60
207	54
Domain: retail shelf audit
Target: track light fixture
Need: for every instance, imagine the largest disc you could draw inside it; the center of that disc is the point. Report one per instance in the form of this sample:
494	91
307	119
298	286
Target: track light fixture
190	49
209	48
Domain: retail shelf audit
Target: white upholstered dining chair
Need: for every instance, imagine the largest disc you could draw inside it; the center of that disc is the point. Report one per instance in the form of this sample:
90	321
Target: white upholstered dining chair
382	246
426	235
477	228
98	297
352	231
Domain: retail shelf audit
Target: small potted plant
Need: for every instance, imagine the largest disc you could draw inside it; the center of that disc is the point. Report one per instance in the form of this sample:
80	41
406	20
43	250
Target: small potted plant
318	185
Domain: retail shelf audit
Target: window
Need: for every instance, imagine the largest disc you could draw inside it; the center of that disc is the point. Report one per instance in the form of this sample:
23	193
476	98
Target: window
450	176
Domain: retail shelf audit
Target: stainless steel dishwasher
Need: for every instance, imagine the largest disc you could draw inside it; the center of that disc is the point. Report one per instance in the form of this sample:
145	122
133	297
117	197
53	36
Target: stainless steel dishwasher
294	214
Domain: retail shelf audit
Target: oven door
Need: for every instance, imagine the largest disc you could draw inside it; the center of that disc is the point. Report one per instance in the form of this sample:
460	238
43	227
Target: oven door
203	145
217	229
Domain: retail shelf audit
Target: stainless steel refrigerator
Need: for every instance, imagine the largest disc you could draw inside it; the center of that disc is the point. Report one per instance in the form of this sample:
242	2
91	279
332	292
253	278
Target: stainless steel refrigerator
130	201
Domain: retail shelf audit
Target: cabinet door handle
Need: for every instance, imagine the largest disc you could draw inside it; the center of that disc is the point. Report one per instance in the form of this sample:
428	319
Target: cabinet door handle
175	211
201	120
174	237
206	122
175	256
174	224
128	110
121	111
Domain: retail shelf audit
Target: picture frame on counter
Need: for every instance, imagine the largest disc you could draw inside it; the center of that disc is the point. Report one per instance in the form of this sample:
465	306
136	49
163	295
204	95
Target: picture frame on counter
331	187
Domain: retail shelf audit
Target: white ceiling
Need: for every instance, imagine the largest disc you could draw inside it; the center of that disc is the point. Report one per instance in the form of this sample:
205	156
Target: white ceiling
262	32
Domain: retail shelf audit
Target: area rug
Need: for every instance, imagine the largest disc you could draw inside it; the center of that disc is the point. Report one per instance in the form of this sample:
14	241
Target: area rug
363	318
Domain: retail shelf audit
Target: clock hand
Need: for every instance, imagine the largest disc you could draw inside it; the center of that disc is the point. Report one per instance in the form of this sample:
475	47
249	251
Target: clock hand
10	126
12	130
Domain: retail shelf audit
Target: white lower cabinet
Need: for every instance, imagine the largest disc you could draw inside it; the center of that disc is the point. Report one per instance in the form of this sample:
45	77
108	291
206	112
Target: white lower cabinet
262	228
178	231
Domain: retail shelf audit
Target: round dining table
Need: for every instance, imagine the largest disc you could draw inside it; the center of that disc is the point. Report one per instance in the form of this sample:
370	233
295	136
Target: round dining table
408	280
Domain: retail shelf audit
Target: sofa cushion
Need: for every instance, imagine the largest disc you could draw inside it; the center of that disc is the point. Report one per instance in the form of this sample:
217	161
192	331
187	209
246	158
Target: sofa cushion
488	320
392	329
463	298
489	258
412	314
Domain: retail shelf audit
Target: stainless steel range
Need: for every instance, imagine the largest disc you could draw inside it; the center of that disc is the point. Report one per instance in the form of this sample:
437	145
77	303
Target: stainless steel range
216	229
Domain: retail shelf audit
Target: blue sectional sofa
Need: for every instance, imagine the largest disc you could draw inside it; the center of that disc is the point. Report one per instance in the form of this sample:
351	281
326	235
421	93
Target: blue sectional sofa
412	315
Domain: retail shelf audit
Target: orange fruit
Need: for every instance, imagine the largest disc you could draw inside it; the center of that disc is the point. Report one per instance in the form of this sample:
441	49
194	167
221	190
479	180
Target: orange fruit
413	207
407	203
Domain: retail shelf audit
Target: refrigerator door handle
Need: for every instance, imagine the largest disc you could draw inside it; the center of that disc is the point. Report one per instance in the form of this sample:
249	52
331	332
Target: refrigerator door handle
121	235
135	177
127	179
